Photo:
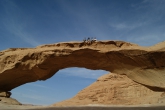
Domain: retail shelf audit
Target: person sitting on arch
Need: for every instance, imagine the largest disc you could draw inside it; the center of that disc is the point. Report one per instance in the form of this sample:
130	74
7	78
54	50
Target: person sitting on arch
88	39
95	39
84	40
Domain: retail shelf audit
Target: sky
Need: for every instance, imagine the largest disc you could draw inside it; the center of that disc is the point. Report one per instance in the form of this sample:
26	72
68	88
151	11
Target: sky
29	23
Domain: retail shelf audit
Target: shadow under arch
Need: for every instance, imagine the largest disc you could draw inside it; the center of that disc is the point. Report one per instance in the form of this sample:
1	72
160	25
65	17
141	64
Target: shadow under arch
65	84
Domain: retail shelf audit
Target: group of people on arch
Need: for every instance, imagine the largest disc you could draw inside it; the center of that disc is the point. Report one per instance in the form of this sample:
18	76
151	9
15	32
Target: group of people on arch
90	40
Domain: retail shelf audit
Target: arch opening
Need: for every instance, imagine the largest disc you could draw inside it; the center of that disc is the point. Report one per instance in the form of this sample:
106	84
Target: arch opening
65	84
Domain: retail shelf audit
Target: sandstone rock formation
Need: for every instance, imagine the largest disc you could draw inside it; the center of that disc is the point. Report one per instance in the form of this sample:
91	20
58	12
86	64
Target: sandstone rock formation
5	94
5	99
145	65
114	89
9	101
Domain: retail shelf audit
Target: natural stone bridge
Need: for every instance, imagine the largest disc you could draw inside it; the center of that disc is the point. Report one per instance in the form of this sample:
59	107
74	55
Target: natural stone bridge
145	65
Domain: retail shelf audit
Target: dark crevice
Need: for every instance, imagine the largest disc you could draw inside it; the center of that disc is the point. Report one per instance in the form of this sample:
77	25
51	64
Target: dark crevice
153	88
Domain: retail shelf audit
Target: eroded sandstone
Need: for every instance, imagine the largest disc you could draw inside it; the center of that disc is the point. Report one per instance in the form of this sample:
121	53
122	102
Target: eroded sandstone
9	101
115	89
5	94
145	65
5	99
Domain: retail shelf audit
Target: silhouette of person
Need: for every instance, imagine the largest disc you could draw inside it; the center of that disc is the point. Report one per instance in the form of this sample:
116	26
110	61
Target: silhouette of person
88	39
95	39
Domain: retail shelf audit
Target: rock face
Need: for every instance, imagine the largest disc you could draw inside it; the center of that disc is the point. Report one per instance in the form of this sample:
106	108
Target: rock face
9	101
5	94
145	65
5	99
114	89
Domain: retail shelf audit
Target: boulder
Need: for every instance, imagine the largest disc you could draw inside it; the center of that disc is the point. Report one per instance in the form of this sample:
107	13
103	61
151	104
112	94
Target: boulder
5	94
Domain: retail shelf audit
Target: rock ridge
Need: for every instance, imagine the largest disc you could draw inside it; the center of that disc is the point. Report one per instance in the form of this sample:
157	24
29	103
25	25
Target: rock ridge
145	65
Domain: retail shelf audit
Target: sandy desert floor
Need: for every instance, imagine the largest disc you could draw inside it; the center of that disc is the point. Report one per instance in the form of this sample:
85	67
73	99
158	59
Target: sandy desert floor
89	107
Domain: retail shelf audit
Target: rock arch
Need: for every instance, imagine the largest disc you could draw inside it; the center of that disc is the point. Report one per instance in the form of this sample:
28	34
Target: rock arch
145	65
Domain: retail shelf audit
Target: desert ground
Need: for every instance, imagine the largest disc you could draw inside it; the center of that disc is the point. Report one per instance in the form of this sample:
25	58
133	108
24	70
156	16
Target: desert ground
88	107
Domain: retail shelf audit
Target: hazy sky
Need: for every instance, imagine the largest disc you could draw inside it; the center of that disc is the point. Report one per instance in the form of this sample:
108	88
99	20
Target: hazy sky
29	23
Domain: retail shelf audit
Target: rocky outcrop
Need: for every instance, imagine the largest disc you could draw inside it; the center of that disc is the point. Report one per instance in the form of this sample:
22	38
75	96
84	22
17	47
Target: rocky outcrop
9	101
5	94
5	99
114	89
145	65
